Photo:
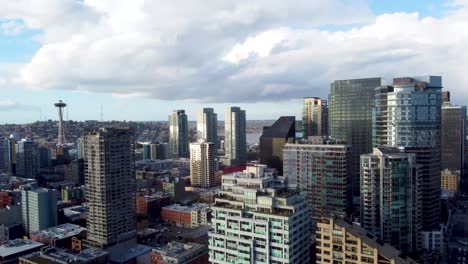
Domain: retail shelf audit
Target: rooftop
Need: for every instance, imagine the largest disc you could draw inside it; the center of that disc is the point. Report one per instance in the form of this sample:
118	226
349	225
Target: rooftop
123	255
17	246
179	250
54	255
60	231
194	207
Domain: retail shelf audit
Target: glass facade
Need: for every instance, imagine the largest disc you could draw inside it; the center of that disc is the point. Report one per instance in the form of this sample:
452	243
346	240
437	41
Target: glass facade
235	136
391	197
350	115
322	173
408	114
453	137
178	134
314	117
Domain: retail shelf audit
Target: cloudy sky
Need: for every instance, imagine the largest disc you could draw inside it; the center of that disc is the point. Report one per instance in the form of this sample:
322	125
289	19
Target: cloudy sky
142	59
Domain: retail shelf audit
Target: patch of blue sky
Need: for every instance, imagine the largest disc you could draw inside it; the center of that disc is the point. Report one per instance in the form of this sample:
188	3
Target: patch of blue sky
17	47
425	8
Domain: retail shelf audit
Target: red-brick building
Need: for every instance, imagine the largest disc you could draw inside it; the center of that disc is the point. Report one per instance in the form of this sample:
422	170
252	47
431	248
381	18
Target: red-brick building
5	199
151	205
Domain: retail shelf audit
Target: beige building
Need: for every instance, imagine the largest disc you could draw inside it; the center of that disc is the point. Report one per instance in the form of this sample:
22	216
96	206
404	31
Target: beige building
110	186
449	180
202	164
341	242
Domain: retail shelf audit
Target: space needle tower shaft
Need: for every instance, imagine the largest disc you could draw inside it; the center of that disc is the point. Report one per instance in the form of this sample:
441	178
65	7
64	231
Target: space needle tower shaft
61	129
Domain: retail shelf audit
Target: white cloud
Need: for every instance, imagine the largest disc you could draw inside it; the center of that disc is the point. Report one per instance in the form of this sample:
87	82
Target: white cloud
232	51
12	27
13	105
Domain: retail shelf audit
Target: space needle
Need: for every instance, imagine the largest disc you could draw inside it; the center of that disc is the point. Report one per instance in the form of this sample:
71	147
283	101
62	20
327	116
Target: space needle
61	130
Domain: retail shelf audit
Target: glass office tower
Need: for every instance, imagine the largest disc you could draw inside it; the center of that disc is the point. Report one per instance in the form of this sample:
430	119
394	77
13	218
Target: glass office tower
178	134
350	115
314	117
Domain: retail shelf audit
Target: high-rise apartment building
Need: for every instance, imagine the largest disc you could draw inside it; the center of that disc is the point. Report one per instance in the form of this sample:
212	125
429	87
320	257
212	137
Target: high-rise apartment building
453	137
257	219
314	117
110	186
350	115
8	156
408	114
340	241
202	164
273	139
27	159
39	208
323	173
235	136
178	134
207	126
391	197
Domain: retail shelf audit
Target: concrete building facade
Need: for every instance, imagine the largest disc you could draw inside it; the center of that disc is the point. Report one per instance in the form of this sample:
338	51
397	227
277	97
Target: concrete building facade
110	191
339	241
202	164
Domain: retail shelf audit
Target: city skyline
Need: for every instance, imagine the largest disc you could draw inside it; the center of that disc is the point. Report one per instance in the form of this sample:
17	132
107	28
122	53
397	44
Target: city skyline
251	56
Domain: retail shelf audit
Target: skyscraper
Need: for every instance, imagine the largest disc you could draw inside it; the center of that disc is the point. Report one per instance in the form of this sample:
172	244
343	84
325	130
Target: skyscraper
207	126
110	186
257	219
39	208
273	139
314	117
408	114
158	151
235	139
8	156
322	173
27	159
453	137
146	151
202	164
391	197
178	134
350	114
464	175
